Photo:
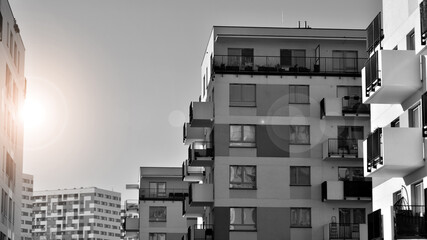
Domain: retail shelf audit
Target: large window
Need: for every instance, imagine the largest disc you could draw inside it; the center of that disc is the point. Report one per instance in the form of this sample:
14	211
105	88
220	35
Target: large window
300	176
157	189
157	214
157	236
243	177
344	61
292	57
352	215
410	40
415	116
300	217
243	219
242	95
242	136
299	134
243	57
299	94
350	174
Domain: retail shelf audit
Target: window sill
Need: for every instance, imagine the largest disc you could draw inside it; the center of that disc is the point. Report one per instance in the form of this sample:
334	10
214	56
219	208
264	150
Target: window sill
299	185
233	188
300	144
300	226
234	230
253	105
157	221
242	145
299	103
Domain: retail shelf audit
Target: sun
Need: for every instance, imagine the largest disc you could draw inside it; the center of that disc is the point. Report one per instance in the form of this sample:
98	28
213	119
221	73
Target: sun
33	113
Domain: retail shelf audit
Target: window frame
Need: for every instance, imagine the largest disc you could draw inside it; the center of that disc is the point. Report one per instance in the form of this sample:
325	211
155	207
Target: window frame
293	141
242	143
243	225
411	116
292	225
410	40
156	235
293	93
298	182
242	182
242	102
152	210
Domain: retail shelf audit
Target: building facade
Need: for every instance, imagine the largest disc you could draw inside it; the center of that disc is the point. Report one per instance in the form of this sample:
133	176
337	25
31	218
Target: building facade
84	213
275	140
13	82
394	85
27	206
157	214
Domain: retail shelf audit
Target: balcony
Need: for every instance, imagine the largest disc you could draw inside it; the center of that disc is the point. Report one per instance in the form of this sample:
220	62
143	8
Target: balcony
271	65
201	114
346	190
203	231
346	106
345	231
191	134
171	194
200	194
374	33
342	149
200	154
410	222
132	205
390	77
393	152
190	211
131	224
192	174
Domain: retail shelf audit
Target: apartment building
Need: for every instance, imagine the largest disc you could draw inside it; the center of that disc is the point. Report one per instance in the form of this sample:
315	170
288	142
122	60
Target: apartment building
157	213
13	91
80	213
275	139
27	207
394	85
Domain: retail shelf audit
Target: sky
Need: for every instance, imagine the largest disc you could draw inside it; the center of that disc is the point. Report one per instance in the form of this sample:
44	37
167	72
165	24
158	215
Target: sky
110	81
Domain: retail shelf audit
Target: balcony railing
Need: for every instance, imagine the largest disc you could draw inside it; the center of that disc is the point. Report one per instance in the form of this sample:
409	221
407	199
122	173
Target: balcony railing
346	190
132	205
342	148
203	231
192	174
374	156
374	33
410	221
423	21
162	194
372	78
354	106
344	231
345	106
334	66
200	153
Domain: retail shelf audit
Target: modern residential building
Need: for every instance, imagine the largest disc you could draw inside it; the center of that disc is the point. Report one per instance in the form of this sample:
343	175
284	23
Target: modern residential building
157	214
81	213
27	207
394	85
275	139
13	91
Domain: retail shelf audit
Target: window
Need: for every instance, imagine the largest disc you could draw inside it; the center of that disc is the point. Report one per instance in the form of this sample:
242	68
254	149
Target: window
243	219
299	134
157	214
410	40
299	94
350	174
157	189
157	236
395	123
397	198
418	197
243	57
344	61
242	136
242	95
300	217
300	176
415	117
243	177
292	57
352	215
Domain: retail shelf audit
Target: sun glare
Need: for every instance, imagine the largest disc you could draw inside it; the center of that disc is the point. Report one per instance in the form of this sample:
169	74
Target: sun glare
33	114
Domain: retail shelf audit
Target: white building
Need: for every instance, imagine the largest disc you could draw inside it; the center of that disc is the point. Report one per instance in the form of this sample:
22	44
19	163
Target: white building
13	91
394	84
82	213
27	206
275	140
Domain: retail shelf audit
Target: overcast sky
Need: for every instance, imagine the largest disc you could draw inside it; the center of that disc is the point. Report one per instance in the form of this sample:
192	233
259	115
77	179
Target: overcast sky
115	77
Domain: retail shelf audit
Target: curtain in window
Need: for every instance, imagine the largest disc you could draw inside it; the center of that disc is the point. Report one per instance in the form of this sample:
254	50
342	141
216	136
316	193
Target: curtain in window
249	133
249	216
235	133
235	175
300	134
249	176
300	217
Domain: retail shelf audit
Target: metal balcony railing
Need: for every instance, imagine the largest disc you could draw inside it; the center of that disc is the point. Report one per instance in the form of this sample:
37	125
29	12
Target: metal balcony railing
354	105
343	147
200	150
374	156
374	33
165	194
423	21
338	66
410	221
357	189
372	76
344	231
